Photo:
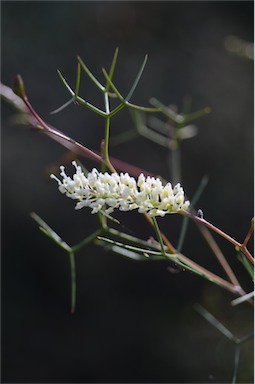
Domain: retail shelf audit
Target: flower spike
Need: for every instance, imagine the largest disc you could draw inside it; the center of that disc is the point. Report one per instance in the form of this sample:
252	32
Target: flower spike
104	191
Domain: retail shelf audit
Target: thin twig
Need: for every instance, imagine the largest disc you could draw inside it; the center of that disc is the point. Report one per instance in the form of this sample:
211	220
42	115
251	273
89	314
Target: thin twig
238	245
219	255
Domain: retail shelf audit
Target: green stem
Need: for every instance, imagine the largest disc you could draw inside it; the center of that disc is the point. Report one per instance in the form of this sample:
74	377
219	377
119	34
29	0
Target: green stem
107	133
76	248
158	233
107	127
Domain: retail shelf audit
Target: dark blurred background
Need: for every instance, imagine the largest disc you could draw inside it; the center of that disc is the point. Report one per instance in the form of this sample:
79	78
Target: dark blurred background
135	322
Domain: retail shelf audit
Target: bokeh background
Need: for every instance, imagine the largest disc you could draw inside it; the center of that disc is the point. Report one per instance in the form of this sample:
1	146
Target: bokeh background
134	322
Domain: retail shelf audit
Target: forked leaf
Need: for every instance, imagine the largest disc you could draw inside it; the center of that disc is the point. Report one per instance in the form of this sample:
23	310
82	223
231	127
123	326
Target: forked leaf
48	231
79	99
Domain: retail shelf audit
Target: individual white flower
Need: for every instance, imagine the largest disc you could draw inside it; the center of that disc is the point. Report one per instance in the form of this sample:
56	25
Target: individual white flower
105	192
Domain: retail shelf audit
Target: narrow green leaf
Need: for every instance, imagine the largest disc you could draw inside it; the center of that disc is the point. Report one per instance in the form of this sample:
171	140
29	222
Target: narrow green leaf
129	95
65	83
90	75
78	79
212	320
202	185
158	125
183	232
175	258
160	240
167	111
90	106
196	115
62	106
50	232
110	83
150	134
141	108
112	68
124	236
130	247
246	263
194	200
127	253
57	239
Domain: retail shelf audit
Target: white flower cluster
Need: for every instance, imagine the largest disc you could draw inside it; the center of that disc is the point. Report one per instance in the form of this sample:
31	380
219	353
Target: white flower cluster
121	191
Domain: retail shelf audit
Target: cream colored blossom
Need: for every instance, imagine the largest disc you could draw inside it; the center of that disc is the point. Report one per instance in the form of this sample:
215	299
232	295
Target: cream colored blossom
106	192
